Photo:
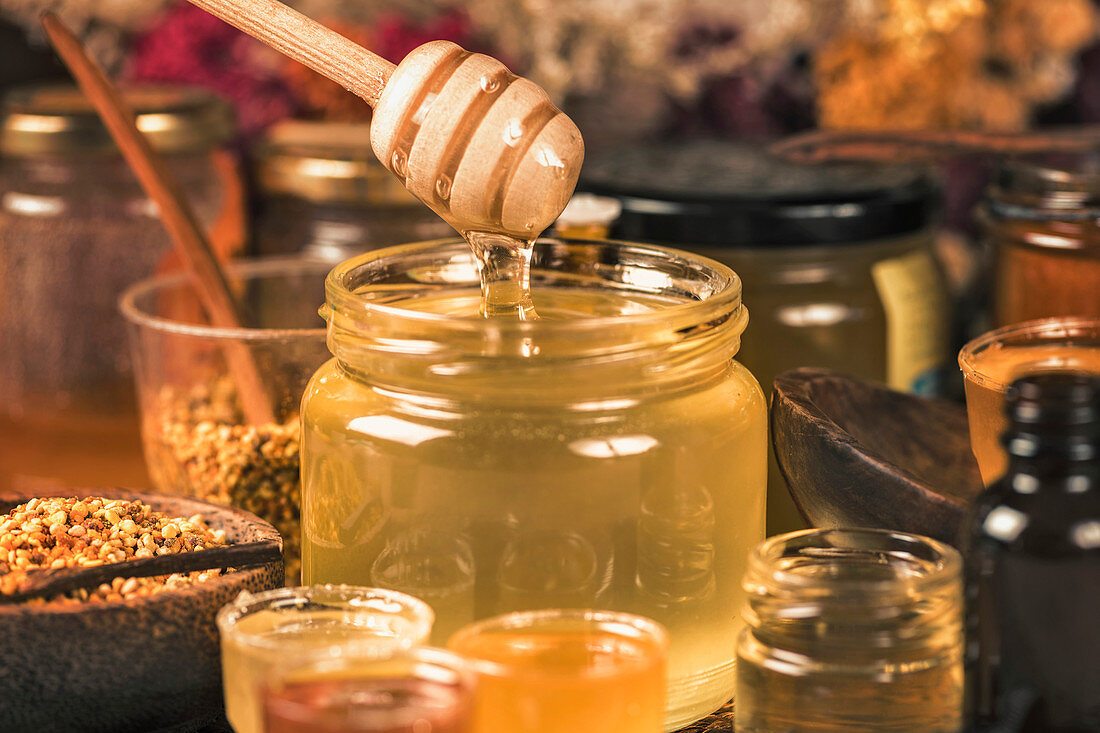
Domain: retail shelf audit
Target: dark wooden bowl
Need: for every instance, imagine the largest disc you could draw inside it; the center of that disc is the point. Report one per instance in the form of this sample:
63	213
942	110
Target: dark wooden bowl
141	664
858	455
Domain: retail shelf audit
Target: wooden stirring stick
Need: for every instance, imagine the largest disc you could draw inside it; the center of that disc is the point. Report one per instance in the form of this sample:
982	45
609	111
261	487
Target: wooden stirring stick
307	42
486	150
822	146
50	582
175	212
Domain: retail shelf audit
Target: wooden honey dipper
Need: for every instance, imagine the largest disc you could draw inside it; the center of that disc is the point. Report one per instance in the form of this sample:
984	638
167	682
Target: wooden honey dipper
486	150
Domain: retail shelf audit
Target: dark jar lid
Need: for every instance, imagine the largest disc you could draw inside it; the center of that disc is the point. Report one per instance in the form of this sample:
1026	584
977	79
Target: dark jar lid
49	120
725	194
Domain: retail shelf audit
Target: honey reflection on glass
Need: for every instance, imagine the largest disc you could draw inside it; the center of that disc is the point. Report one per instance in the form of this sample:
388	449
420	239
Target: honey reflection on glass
992	361
562	671
435	566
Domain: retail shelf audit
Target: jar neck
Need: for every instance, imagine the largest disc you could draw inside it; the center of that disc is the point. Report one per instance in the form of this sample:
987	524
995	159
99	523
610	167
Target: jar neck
854	602
620	321
594	373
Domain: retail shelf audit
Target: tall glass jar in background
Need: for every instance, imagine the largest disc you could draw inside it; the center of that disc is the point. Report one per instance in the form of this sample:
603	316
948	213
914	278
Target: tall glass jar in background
1042	216
851	631
610	454
837	260
323	193
75	229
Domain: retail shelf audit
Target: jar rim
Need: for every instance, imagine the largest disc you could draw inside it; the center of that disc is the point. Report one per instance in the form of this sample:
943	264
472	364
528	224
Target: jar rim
720	294
423	617
641	626
57	119
1036	330
264	267
945	562
1047	186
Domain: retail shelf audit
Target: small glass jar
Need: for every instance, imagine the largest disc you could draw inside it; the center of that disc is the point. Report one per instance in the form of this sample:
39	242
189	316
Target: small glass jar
851	631
199	440
563	671
837	260
324	194
296	625
1042	216
75	229
610	454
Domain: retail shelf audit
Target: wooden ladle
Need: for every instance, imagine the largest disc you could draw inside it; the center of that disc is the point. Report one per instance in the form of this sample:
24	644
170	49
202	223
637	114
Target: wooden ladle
485	149
858	455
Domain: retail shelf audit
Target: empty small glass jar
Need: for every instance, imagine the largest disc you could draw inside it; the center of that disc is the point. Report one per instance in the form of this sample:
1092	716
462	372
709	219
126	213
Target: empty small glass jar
851	630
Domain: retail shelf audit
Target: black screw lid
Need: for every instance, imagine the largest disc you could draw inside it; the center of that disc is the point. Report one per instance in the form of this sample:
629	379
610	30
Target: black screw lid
728	194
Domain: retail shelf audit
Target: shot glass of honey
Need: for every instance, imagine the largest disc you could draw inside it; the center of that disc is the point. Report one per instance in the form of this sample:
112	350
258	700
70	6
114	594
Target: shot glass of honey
992	361
562	671
420	690
314	623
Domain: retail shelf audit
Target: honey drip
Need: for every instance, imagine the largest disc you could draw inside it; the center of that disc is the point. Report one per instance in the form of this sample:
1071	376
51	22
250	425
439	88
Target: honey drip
504	263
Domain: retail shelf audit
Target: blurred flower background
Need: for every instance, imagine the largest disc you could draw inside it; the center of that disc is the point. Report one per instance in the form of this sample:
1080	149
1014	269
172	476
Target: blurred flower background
638	69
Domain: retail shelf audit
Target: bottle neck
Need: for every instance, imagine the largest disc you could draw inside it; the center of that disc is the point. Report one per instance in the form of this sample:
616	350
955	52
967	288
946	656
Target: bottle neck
1051	474
1053	437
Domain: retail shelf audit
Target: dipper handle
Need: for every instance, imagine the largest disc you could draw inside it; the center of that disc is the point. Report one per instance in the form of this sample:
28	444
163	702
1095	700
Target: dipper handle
484	149
308	42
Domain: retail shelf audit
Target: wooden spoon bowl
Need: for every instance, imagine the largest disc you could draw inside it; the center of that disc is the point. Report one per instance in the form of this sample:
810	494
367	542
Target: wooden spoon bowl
140	664
859	455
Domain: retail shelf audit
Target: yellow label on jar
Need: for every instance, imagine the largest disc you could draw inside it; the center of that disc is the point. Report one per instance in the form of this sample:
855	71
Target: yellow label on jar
916	320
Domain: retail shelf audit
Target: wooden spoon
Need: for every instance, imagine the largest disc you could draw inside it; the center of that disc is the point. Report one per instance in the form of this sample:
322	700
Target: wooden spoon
858	455
51	582
486	150
179	219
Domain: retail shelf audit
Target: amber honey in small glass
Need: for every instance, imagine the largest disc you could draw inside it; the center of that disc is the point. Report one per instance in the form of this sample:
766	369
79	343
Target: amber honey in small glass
1041	217
565	671
993	360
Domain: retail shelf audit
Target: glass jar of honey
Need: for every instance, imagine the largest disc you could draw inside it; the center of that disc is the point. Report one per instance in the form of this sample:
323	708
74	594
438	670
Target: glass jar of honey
837	260
324	194
610	454
1042	216
75	230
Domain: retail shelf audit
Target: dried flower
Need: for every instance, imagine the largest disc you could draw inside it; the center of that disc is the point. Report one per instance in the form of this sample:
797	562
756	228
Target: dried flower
969	64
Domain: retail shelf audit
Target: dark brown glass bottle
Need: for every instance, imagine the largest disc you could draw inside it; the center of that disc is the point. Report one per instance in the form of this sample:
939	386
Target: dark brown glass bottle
1033	566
